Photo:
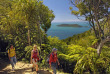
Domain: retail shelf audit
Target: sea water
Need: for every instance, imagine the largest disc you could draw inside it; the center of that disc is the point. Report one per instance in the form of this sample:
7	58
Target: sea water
65	32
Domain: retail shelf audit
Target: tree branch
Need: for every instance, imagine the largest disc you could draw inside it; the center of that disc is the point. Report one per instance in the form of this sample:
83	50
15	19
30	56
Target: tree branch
101	44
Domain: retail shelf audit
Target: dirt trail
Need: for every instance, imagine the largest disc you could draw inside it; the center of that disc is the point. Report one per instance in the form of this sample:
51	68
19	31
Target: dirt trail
20	68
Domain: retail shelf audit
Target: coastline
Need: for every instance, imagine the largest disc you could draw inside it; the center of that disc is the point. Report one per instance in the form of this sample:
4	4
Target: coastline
65	32
69	25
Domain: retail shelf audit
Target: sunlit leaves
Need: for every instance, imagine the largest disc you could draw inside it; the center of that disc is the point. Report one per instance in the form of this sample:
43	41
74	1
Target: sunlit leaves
93	11
19	16
74	12
82	8
56	43
70	8
86	58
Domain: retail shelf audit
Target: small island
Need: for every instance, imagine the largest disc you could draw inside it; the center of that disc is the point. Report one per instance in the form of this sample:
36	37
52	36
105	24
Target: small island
69	25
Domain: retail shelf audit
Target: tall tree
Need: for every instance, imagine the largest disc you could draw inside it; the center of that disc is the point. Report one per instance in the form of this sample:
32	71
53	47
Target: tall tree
31	12
20	20
46	19
94	11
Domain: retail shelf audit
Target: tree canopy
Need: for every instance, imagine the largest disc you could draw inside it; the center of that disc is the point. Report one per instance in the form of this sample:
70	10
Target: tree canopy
95	11
21	22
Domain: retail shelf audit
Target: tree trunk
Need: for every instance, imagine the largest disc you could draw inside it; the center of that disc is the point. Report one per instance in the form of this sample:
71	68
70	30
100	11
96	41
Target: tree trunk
39	34
103	41
45	39
109	23
29	41
93	25
95	32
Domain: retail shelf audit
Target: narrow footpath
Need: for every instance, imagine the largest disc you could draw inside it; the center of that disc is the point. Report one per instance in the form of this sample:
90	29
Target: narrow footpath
20	68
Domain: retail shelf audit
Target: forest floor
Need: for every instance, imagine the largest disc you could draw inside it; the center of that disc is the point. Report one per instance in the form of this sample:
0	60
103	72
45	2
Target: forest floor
20	68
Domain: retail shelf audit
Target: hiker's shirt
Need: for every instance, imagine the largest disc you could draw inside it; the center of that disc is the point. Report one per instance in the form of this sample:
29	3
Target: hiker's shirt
11	52
35	55
53	58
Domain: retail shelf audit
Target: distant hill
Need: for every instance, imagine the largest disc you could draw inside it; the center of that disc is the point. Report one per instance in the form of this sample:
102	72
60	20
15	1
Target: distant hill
70	25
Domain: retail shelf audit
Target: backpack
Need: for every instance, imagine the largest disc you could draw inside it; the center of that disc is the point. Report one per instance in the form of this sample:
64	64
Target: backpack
9	50
49	57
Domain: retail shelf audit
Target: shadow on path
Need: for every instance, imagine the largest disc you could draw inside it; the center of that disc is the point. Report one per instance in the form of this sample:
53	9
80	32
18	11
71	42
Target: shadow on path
3	63
24	71
44	72
5	68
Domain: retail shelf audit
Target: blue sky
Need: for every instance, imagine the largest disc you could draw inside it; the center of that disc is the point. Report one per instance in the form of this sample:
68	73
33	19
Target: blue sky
61	10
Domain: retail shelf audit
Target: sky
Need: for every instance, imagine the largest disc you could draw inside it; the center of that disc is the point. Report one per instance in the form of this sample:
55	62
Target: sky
61	10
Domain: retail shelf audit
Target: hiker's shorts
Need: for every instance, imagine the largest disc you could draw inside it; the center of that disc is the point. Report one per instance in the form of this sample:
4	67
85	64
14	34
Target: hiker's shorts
13	61
53	65
34	62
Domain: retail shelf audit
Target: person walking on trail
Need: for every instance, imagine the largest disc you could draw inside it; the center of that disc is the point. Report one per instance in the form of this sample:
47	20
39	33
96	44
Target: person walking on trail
12	56
35	57
53	60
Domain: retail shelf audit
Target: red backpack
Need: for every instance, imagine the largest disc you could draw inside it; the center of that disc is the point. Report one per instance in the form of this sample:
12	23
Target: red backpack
49	57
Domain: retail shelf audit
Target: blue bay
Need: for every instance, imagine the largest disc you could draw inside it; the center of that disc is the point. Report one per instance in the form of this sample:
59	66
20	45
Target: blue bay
65	32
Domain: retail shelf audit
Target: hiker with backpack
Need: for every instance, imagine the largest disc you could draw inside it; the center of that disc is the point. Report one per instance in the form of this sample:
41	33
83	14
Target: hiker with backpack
12	56
53	60
35	57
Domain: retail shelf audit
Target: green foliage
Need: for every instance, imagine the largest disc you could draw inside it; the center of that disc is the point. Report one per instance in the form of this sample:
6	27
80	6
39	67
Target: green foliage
95	41
82	55
87	58
28	50
47	49
93	11
82	8
19	16
56	43
70	8
103	62
46	17
74	12
84	39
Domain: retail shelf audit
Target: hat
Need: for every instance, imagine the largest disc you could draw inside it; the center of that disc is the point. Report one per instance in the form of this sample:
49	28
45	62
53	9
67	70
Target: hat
54	49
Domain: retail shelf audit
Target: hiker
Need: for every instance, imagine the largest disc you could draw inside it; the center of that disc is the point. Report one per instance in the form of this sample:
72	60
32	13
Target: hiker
12	56
35	57
53	60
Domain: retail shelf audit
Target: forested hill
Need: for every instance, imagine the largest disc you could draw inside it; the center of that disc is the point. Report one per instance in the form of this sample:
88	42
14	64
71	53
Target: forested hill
83	39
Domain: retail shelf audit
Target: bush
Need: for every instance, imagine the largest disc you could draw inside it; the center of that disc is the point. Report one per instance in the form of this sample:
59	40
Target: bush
87	59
